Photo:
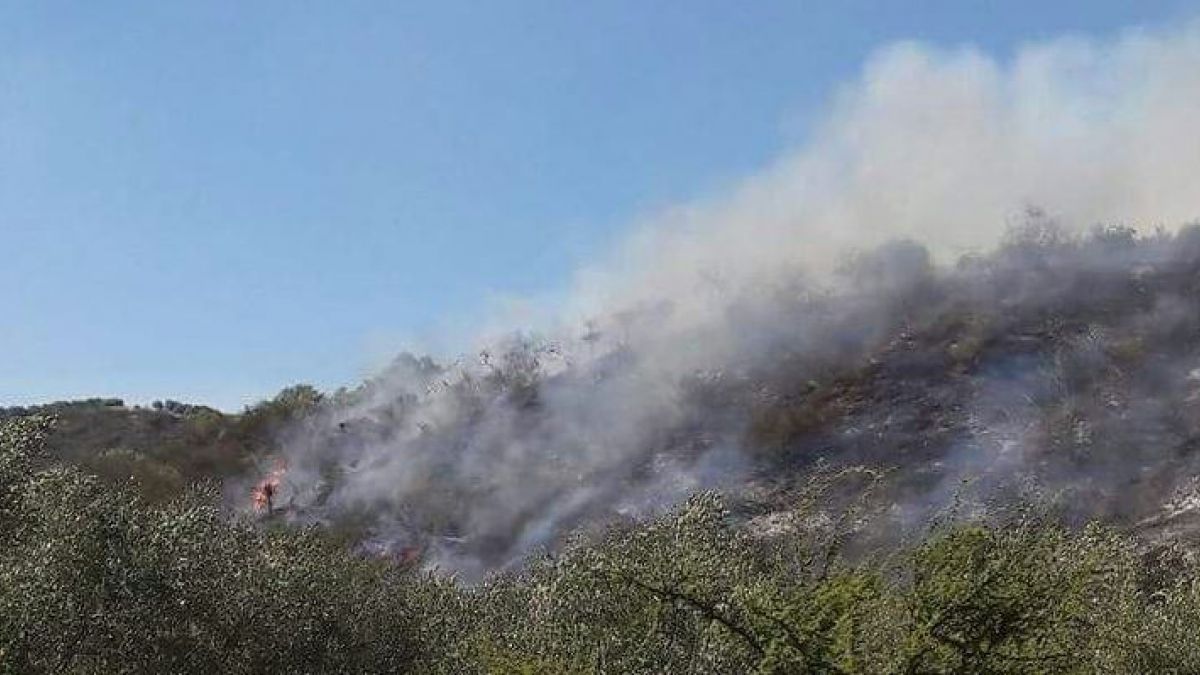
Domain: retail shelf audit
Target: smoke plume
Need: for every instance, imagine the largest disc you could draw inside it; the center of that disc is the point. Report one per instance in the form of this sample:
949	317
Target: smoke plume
653	381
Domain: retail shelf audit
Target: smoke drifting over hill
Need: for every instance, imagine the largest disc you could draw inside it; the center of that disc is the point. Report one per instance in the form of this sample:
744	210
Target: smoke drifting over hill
790	316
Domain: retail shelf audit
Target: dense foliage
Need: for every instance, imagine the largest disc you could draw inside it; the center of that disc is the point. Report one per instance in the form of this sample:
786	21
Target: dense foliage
93	579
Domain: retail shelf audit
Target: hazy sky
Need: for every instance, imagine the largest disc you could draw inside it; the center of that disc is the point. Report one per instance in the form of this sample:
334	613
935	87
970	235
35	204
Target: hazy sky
210	200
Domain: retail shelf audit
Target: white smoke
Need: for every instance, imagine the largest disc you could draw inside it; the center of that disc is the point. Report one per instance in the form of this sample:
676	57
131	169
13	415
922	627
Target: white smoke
945	147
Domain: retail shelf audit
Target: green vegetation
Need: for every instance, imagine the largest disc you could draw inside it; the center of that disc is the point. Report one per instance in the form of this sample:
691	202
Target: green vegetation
159	450
95	579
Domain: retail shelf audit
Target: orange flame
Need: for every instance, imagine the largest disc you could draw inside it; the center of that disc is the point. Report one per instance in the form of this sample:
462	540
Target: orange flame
409	555
263	494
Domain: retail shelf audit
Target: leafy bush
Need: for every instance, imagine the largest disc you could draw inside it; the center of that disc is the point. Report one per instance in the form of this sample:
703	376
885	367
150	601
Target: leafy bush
693	593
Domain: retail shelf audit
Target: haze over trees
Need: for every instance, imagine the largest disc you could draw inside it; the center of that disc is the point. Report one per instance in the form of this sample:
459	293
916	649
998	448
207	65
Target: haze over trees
870	528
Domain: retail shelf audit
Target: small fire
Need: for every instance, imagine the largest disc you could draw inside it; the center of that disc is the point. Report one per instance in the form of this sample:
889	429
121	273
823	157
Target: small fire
263	495
409	555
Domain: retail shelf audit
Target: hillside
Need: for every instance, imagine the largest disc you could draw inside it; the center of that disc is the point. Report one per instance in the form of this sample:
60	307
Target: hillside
1058	370
988	466
164	448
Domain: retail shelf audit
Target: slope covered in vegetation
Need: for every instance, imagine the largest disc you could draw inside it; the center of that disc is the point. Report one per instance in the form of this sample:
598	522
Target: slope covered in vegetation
987	467
163	448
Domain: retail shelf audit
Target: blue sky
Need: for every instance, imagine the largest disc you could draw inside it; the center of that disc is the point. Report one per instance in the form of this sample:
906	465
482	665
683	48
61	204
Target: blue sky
208	201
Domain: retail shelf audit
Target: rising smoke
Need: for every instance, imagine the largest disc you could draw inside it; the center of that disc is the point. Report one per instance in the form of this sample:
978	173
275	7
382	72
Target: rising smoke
652	379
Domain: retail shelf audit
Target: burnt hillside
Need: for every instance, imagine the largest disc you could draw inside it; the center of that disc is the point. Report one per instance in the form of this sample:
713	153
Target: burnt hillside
1059	369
